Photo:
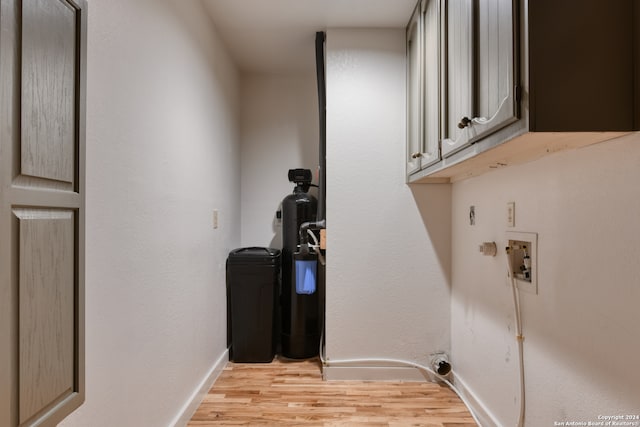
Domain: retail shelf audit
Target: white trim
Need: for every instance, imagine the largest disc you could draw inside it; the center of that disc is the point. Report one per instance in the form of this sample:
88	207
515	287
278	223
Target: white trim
372	373
484	415
192	404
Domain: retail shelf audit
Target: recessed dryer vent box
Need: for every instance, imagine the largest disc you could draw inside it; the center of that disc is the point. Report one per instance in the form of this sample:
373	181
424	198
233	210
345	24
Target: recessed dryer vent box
523	257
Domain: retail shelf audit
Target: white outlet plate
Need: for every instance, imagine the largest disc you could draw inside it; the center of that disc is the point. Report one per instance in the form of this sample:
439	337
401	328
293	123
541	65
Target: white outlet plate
532	242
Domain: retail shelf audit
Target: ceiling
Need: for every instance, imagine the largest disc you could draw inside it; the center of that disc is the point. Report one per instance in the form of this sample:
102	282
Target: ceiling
278	35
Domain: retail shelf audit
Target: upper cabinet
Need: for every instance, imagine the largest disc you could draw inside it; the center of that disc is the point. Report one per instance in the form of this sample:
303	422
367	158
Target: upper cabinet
506	81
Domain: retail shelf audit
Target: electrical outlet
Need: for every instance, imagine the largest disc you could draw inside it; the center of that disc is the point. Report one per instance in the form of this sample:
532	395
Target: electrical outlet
215	218
511	214
523	260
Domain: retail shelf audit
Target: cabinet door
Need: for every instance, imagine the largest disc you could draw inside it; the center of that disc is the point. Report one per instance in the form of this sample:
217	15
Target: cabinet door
481	72
414	92
431	89
423	76
459	70
42	81
496	77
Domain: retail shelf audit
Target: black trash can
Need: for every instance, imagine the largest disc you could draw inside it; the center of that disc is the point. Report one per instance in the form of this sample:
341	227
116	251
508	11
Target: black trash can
253	279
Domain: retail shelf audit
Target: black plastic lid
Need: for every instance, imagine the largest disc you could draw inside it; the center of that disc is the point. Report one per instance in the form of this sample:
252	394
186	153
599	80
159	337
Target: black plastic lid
253	255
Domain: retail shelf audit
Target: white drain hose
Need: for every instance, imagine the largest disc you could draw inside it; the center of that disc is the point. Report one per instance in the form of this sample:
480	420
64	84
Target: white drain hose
519	337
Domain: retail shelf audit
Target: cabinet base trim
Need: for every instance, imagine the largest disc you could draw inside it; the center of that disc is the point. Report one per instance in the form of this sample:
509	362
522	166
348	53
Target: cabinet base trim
525	148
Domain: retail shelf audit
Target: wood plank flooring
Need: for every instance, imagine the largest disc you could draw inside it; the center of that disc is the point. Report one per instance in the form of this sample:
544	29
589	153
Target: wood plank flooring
286	393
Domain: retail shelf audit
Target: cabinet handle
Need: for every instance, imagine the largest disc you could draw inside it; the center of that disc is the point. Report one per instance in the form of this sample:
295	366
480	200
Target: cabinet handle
464	122
416	155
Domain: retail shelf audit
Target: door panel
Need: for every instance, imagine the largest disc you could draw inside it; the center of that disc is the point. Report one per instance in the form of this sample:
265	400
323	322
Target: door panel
431	61
481	72
414	92
459	73
42	129
48	89
46	308
496	71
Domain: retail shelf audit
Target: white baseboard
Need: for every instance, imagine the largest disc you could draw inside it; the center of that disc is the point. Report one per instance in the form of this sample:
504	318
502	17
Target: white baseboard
192	404
484	415
372	373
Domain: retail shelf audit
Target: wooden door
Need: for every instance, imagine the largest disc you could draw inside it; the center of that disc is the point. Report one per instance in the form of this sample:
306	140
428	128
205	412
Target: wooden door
42	84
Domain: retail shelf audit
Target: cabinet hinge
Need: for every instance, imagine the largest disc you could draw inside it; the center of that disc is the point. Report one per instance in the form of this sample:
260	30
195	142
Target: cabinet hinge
517	91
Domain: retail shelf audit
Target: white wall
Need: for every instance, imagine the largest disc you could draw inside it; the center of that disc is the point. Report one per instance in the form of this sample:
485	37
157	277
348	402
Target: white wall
581	332
279	131
388	250
162	153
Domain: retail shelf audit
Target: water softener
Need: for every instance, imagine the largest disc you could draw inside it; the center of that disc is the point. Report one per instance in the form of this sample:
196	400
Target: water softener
299	297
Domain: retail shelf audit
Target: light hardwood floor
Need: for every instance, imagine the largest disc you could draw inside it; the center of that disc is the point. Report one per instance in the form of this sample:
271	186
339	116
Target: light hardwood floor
286	393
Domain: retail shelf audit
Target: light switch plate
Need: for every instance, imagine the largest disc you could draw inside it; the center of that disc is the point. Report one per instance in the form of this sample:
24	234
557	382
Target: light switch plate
511	214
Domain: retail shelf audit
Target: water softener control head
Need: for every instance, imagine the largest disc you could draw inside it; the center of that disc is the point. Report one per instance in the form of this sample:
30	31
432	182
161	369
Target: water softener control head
301	177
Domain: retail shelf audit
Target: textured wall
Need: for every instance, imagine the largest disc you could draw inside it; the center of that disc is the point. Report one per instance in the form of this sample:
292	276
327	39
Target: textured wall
279	131
581	337
388	246
162	153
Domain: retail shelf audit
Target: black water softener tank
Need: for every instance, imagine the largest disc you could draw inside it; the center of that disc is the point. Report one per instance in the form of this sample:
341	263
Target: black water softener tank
300	304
